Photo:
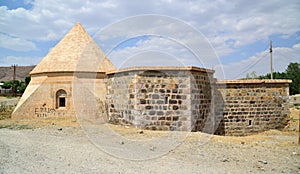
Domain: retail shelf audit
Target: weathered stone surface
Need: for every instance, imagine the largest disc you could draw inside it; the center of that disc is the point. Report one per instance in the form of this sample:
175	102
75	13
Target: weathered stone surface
163	96
248	107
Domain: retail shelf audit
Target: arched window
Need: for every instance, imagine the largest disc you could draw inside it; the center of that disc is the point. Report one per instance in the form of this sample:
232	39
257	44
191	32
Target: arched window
61	96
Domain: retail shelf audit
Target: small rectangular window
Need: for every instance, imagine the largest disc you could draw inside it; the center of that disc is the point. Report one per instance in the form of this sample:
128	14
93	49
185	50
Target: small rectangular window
62	102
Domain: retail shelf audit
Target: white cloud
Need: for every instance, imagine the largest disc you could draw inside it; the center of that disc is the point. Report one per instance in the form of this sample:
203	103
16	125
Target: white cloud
246	22
212	17
153	51
260	63
297	47
170	35
50	20
16	44
228	25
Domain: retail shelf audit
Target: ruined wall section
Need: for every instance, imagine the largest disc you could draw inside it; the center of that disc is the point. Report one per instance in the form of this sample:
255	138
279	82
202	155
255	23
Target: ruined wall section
253	106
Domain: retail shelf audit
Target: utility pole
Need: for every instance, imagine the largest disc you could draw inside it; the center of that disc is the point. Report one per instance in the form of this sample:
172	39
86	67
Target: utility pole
14	80
271	63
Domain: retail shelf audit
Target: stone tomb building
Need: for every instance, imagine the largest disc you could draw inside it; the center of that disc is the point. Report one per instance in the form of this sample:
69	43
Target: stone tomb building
71	61
157	98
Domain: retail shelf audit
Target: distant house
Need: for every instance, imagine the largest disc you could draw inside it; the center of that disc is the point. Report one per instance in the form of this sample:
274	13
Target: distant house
4	91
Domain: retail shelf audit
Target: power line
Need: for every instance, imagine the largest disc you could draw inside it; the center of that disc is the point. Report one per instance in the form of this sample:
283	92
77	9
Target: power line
290	55
251	65
285	54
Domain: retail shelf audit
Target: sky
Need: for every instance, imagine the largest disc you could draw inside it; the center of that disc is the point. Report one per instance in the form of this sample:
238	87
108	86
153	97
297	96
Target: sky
231	37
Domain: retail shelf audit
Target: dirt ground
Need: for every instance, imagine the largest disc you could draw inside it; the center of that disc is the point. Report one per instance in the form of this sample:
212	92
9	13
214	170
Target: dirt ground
64	146
68	149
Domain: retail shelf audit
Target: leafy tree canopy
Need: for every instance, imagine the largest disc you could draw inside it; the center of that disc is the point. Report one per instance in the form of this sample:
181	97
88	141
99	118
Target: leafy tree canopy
20	86
292	72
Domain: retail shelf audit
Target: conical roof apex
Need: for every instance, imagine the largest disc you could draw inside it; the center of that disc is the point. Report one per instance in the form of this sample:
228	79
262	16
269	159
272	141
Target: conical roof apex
77	51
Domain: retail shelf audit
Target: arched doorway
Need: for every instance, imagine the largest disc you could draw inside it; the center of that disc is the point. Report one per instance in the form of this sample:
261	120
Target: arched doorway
61	96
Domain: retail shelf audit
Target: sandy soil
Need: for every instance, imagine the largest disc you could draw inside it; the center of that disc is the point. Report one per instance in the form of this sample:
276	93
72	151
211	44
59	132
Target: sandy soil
61	149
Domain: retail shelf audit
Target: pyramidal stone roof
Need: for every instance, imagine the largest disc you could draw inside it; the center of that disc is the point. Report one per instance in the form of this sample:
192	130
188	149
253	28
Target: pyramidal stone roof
76	52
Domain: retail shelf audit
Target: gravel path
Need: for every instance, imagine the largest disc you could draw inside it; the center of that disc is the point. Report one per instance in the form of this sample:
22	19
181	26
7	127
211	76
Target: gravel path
68	150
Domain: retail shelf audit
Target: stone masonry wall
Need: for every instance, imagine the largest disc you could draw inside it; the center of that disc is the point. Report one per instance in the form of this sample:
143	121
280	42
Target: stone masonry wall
201	97
160	99
157	100
252	106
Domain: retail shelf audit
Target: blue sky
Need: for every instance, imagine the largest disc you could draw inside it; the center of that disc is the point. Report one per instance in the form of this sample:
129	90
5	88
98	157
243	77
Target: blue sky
14	4
238	31
248	50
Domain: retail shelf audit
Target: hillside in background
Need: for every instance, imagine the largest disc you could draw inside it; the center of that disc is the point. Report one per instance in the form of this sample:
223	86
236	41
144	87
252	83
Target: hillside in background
6	73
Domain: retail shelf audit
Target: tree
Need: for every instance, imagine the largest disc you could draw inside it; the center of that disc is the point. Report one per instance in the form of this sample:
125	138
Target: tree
293	72
252	75
20	86
27	80
7	85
